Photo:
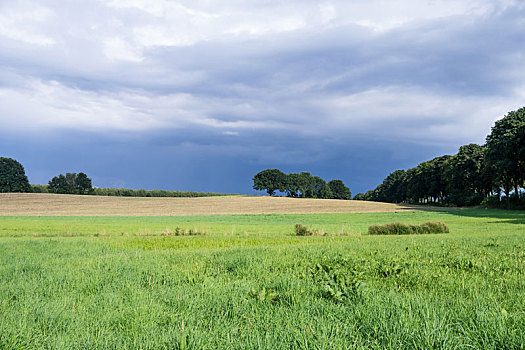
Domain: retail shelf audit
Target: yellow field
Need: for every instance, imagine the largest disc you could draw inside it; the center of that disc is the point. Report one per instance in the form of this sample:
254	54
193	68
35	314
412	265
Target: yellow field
75	205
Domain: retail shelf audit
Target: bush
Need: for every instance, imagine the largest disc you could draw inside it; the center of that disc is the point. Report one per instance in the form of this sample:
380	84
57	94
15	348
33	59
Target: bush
513	202
398	228
434	227
302	230
39	189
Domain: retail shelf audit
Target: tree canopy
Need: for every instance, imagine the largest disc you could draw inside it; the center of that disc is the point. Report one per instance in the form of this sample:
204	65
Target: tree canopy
12	176
299	185
506	150
270	180
71	183
339	190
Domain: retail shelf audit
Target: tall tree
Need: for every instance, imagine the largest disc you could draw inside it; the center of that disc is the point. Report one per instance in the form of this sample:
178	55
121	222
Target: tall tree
506	150
83	184
298	183
339	190
270	180
393	188
437	187
12	176
318	188
464	174
58	184
70	183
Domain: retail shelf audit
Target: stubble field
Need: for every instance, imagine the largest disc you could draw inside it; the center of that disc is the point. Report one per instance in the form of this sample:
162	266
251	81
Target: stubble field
40	204
85	272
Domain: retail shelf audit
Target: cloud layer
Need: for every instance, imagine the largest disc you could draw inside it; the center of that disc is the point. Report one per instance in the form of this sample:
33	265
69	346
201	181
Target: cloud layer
300	79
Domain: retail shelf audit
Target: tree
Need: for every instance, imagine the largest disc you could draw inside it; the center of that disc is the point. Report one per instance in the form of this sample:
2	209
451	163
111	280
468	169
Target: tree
324	191
339	190
463	174
360	197
292	185
12	176
59	184
83	184
317	188
506	150
71	183
392	189
438	186
270	180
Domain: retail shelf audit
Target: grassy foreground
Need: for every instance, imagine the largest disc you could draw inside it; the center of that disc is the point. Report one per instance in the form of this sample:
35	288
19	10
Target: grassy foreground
118	283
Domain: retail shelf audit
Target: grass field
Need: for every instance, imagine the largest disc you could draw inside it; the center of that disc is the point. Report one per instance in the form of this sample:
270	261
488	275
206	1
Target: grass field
118	282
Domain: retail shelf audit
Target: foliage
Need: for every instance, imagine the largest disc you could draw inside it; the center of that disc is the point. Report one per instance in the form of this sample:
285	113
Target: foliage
181	232
303	185
463	175
39	188
506	150
302	230
83	184
495	202
124	192
360	197
297	184
270	180
339	282
317	188
398	228
339	190
12	176
264	295
70	183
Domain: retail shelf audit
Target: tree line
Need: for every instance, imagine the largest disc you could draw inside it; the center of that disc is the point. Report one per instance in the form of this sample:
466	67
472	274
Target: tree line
476	174
126	192
14	179
299	185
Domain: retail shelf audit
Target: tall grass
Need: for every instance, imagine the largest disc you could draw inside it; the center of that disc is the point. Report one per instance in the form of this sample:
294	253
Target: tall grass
269	290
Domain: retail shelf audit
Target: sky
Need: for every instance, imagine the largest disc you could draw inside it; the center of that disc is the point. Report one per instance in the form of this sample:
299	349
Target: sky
201	95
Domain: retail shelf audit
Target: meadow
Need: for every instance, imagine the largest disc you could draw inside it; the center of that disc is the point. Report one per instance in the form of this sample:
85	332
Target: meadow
247	281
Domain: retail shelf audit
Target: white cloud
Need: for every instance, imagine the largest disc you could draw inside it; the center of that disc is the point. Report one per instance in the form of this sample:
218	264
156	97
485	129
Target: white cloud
118	49
46	106
23	23
320	68
416	114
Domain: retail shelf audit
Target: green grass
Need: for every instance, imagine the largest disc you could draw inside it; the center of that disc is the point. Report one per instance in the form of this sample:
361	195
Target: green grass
460	221
98	282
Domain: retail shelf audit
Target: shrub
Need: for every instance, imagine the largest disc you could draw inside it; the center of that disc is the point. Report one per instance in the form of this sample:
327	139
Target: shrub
398	228
512	202
181	232
302	230
434	227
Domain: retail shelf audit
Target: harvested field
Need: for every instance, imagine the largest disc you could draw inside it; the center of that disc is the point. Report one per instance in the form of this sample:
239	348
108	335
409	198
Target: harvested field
43	204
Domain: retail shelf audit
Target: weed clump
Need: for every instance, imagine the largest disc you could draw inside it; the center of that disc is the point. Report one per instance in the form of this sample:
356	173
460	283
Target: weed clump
303	230
398	228
338	281
265	295
181	232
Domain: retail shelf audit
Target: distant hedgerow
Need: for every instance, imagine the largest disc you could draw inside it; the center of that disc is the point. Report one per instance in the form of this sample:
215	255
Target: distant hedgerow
398	228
